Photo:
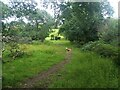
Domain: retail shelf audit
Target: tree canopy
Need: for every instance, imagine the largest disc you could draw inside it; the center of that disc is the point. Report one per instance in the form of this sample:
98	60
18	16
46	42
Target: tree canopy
81	20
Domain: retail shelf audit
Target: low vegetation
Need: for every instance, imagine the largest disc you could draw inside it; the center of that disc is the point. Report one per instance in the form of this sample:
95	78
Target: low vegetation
34	41
103	49
85	70
89	71
39	57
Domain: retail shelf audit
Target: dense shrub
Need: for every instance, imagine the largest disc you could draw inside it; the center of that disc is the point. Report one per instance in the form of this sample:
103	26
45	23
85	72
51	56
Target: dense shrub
103	49
109	32
26	40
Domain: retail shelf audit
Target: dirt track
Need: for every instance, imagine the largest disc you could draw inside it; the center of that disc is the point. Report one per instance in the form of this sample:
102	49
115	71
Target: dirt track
29	83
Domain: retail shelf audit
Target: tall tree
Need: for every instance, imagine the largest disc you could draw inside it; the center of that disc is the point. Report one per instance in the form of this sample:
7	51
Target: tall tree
109	32
24	8
42	22
82	19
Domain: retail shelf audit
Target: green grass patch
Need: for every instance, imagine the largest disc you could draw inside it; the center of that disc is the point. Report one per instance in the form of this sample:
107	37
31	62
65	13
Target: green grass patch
87	70
39	58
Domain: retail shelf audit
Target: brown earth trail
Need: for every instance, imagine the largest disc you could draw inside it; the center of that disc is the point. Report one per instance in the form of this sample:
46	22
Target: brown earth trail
30	83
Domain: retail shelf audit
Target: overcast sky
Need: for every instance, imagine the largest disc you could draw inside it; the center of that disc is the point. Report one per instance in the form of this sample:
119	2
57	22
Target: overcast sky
114	4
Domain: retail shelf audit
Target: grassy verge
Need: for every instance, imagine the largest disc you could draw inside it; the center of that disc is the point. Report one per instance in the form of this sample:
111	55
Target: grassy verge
40	57
87	70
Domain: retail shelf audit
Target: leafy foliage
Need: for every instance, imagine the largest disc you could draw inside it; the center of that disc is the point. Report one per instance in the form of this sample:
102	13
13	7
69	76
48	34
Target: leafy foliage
17	31
5	10
24	8
105	50
109	32
82	19
41	22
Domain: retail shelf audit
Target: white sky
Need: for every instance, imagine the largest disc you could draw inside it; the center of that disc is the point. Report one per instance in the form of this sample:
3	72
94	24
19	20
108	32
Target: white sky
114	4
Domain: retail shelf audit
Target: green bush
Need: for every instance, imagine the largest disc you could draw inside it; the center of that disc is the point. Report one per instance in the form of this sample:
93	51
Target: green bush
103	49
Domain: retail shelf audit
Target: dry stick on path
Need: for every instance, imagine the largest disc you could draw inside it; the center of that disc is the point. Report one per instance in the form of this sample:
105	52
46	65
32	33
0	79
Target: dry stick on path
43	75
